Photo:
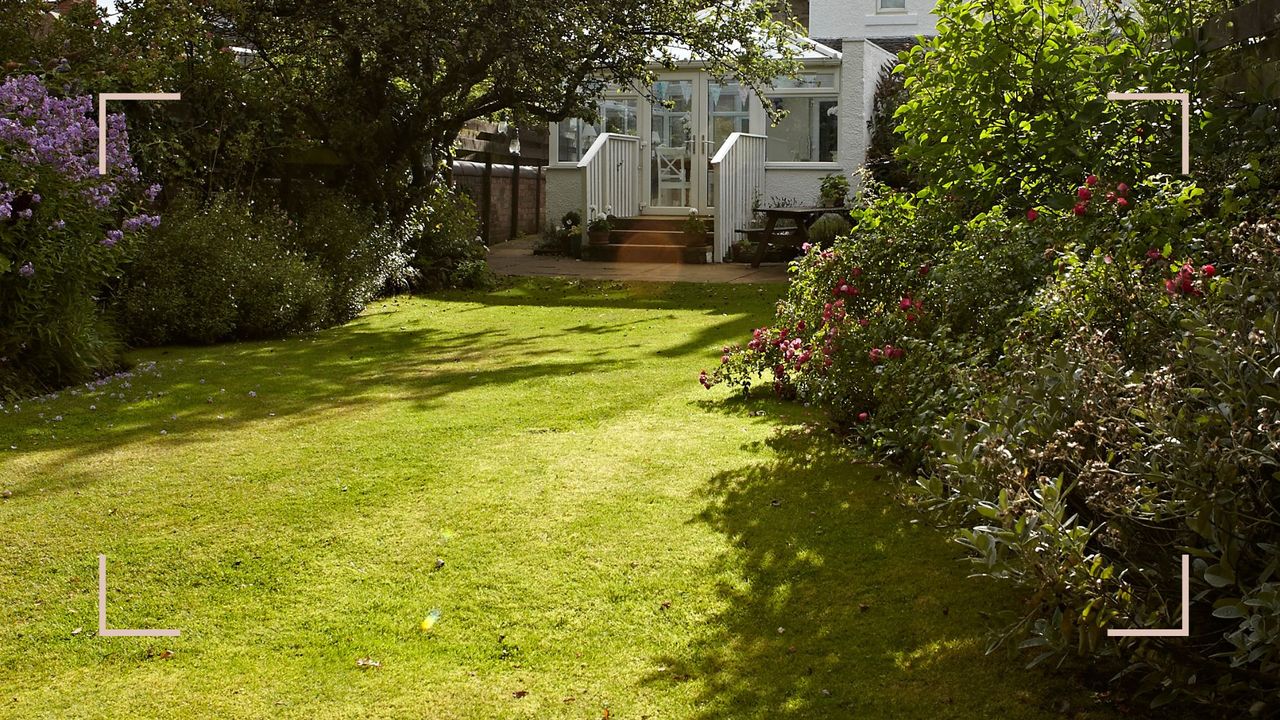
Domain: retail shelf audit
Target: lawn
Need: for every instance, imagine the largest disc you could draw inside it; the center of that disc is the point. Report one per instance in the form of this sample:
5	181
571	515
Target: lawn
599	535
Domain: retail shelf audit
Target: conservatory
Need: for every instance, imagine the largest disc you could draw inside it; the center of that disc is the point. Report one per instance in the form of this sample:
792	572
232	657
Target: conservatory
696	144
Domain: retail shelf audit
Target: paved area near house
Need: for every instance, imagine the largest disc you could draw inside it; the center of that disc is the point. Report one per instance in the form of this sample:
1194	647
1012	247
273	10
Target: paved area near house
516	258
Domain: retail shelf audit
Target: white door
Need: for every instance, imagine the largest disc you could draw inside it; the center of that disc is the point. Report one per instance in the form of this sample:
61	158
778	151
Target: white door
677	142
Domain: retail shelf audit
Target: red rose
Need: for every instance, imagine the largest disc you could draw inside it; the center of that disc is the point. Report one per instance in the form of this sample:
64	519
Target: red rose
905	304
863	417
1032	215
1080	209
1091	181
1122	189
1084	193
1208	270
1122	203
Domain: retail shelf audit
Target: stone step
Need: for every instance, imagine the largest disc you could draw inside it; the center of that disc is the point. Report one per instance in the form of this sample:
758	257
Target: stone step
651	237
656	222
647	253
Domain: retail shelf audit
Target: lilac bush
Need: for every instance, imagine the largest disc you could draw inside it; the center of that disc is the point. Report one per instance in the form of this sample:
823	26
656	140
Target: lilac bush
64	233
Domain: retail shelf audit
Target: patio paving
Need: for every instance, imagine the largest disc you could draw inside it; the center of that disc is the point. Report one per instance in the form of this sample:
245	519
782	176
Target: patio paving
516	258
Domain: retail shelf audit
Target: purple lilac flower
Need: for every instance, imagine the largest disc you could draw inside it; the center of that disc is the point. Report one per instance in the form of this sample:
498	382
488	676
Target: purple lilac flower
152	192
25	214
58	224
27	271
35	198
62	132
113	237
6	211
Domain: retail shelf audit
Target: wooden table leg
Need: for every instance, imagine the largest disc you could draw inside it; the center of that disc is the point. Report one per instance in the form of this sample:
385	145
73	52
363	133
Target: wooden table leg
763	247
802	231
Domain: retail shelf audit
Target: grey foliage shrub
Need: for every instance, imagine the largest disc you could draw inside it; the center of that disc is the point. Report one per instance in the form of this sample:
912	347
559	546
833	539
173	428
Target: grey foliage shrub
229	269
442	239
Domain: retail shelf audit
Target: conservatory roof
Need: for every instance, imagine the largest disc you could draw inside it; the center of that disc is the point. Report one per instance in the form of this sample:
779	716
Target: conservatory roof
806	50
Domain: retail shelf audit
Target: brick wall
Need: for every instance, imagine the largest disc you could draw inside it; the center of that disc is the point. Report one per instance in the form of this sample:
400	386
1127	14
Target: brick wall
470	178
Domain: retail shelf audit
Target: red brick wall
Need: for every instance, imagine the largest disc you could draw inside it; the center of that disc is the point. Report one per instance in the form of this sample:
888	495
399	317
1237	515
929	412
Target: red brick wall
470	178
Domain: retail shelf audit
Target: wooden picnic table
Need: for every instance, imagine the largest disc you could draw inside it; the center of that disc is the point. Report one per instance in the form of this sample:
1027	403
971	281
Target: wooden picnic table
801	217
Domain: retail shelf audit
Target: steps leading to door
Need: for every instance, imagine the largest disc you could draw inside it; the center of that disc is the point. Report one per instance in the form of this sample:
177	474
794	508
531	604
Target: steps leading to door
656	239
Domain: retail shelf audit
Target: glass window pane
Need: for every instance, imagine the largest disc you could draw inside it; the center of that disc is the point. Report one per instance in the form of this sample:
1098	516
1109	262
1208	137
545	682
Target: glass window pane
893	4
729	111
806	80
615	115
809	133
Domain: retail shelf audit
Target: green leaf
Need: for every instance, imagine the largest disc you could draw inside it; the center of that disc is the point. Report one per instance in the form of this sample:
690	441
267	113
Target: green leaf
1219	575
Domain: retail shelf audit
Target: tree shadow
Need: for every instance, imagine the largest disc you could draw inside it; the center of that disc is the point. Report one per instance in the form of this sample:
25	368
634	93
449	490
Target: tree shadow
392	353
840	602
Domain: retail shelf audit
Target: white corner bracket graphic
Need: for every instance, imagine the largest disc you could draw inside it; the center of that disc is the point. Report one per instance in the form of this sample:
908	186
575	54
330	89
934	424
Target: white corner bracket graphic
1185	99
1185	630
103	630
102	118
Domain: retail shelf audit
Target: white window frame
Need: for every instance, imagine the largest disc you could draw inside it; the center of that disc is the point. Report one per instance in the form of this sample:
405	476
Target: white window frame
833	91
882	10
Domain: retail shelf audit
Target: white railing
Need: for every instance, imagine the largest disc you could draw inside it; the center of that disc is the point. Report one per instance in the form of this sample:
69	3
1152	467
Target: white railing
611	176
739	169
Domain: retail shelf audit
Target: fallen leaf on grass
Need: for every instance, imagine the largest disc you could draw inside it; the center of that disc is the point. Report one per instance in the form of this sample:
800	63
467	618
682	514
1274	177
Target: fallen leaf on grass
519	694
77	631
365	662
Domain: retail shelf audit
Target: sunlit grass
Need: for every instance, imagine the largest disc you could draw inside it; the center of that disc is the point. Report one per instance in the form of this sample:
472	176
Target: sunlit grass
534	469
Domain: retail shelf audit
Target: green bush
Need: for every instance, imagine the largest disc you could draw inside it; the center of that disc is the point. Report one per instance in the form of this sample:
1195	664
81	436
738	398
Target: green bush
1082	476
442	239
223	271
230	270
1010	97
355	258
827	228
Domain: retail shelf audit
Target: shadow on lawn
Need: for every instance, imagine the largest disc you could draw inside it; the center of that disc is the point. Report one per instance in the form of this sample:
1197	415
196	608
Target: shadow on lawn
392	354
841	606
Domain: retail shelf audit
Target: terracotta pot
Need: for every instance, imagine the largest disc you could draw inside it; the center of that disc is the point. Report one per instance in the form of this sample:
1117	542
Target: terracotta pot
598	237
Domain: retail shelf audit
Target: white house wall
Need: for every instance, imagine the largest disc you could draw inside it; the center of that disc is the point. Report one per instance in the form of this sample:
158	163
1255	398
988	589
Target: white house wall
564	192
859	19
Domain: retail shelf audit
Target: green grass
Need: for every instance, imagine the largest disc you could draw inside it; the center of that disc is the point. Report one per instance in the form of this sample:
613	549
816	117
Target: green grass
613	536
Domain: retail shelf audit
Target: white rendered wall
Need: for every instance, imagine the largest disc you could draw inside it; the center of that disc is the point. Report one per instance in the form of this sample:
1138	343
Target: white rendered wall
859	19
564	193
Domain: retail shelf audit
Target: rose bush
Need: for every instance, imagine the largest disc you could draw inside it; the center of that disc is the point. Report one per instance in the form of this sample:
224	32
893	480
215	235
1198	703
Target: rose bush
65	230
1074	356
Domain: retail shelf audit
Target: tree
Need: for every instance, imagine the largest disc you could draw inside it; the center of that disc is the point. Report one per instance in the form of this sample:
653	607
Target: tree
1009	100
386	86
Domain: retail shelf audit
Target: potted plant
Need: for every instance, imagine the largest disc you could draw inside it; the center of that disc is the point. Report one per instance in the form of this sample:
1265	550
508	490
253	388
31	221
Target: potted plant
598	230
570	226
835	190
742	251
695	230
575	243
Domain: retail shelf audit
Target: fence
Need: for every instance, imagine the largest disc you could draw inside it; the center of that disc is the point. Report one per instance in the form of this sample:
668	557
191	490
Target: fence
1247	41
